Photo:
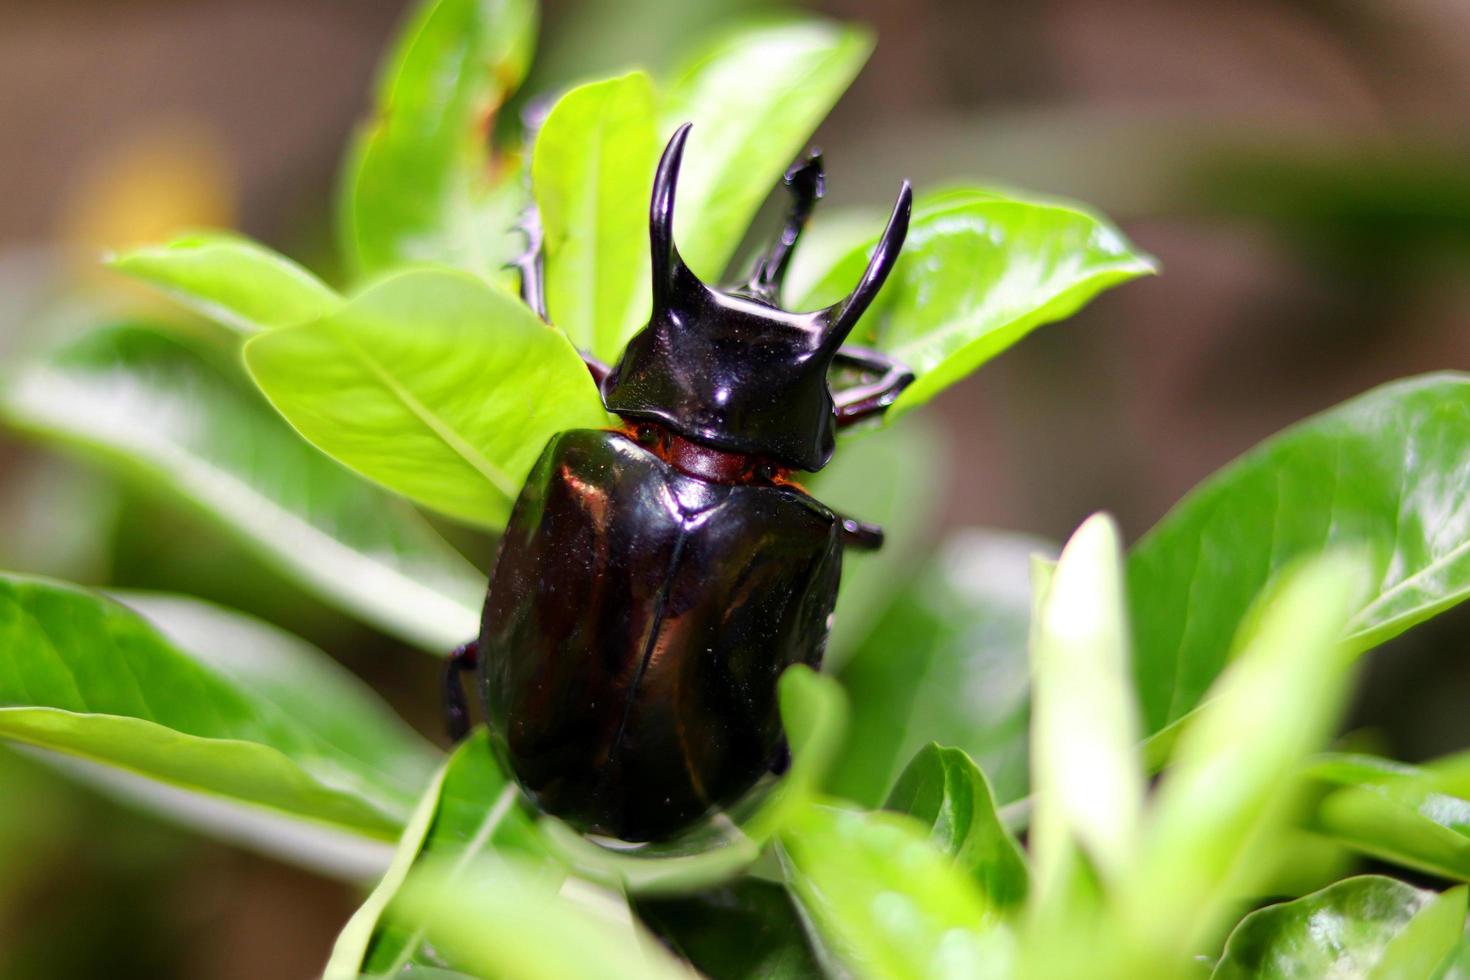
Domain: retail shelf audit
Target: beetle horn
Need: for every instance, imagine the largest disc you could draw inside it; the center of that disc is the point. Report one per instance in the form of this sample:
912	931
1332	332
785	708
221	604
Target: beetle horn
668	267
842	317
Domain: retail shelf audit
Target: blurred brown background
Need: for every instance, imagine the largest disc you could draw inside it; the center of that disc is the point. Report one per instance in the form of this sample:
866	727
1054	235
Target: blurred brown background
1300	167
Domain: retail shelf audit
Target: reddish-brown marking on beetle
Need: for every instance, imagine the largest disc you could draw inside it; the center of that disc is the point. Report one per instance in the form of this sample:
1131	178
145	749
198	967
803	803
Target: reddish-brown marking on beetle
705	462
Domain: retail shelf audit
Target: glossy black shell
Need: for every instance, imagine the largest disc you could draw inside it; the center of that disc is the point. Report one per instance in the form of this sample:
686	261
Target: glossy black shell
636	623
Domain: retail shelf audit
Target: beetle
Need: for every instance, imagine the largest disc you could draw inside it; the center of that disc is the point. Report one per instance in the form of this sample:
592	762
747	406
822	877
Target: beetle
654	581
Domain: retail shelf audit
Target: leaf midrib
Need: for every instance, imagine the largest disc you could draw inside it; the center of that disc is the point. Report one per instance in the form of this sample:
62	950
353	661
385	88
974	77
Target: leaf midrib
441	429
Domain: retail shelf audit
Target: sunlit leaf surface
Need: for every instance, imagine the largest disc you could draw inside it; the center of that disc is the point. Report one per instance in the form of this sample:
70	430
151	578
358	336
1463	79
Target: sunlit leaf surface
432	383
172	413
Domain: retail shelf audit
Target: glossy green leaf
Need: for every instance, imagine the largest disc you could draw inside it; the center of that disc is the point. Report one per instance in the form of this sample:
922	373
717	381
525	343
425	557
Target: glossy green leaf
747	928
418	184
944	789
469	809
1229	790
1085	766
502	918
232	280
204	701
977	273
946	662
754	96
343	853
1422	945
592	174
885	901
1414	816
1344	930
814	714
891	477
432	383
1388	471
167	410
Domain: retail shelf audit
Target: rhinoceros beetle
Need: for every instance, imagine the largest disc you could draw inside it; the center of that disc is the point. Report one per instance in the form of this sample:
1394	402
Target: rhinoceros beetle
655	580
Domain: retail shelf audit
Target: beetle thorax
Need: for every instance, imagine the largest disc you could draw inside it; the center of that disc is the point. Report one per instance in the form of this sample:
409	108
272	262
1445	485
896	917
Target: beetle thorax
731	374
730	370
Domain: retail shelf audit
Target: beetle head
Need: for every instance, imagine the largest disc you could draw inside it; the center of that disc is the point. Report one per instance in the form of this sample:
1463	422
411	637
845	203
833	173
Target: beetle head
731	368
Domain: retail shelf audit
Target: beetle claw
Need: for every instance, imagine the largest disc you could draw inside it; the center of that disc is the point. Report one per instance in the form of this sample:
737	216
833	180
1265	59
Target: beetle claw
456	706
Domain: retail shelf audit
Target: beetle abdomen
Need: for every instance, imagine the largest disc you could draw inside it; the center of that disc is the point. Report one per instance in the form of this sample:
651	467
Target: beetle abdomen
636	623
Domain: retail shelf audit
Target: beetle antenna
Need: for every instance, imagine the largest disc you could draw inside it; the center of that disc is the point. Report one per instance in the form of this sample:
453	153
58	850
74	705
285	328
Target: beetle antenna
843	316
668	267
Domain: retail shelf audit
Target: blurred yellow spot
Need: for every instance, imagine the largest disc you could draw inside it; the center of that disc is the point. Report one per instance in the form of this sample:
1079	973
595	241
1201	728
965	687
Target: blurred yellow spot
165	178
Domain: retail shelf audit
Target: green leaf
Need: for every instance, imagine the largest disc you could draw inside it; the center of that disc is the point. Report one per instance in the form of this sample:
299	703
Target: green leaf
232	280
754	96
165	409
885	901
1414	816
203	701
593	174
1429	938
432	383
747	928
946	791
1229	791
978	272
505	919
946	662
469	809
814	714
891	477
418	185
1085	767
1388	471
1344	930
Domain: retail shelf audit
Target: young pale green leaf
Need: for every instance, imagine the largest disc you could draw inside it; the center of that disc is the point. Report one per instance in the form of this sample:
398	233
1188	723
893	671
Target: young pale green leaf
231	280
754	96
891	477
945	790
977	273
470	809
164	408
814	714
1228	792
417	185
241	711
434	384
1344	930
946	662
1085	766
592	175
1455	966
1413	816
1389	471
884	900
747	928
501	918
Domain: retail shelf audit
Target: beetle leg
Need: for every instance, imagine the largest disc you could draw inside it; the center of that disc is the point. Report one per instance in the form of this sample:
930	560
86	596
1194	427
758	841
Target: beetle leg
807	182
860	534
781	758
456	707
531	265
871	398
